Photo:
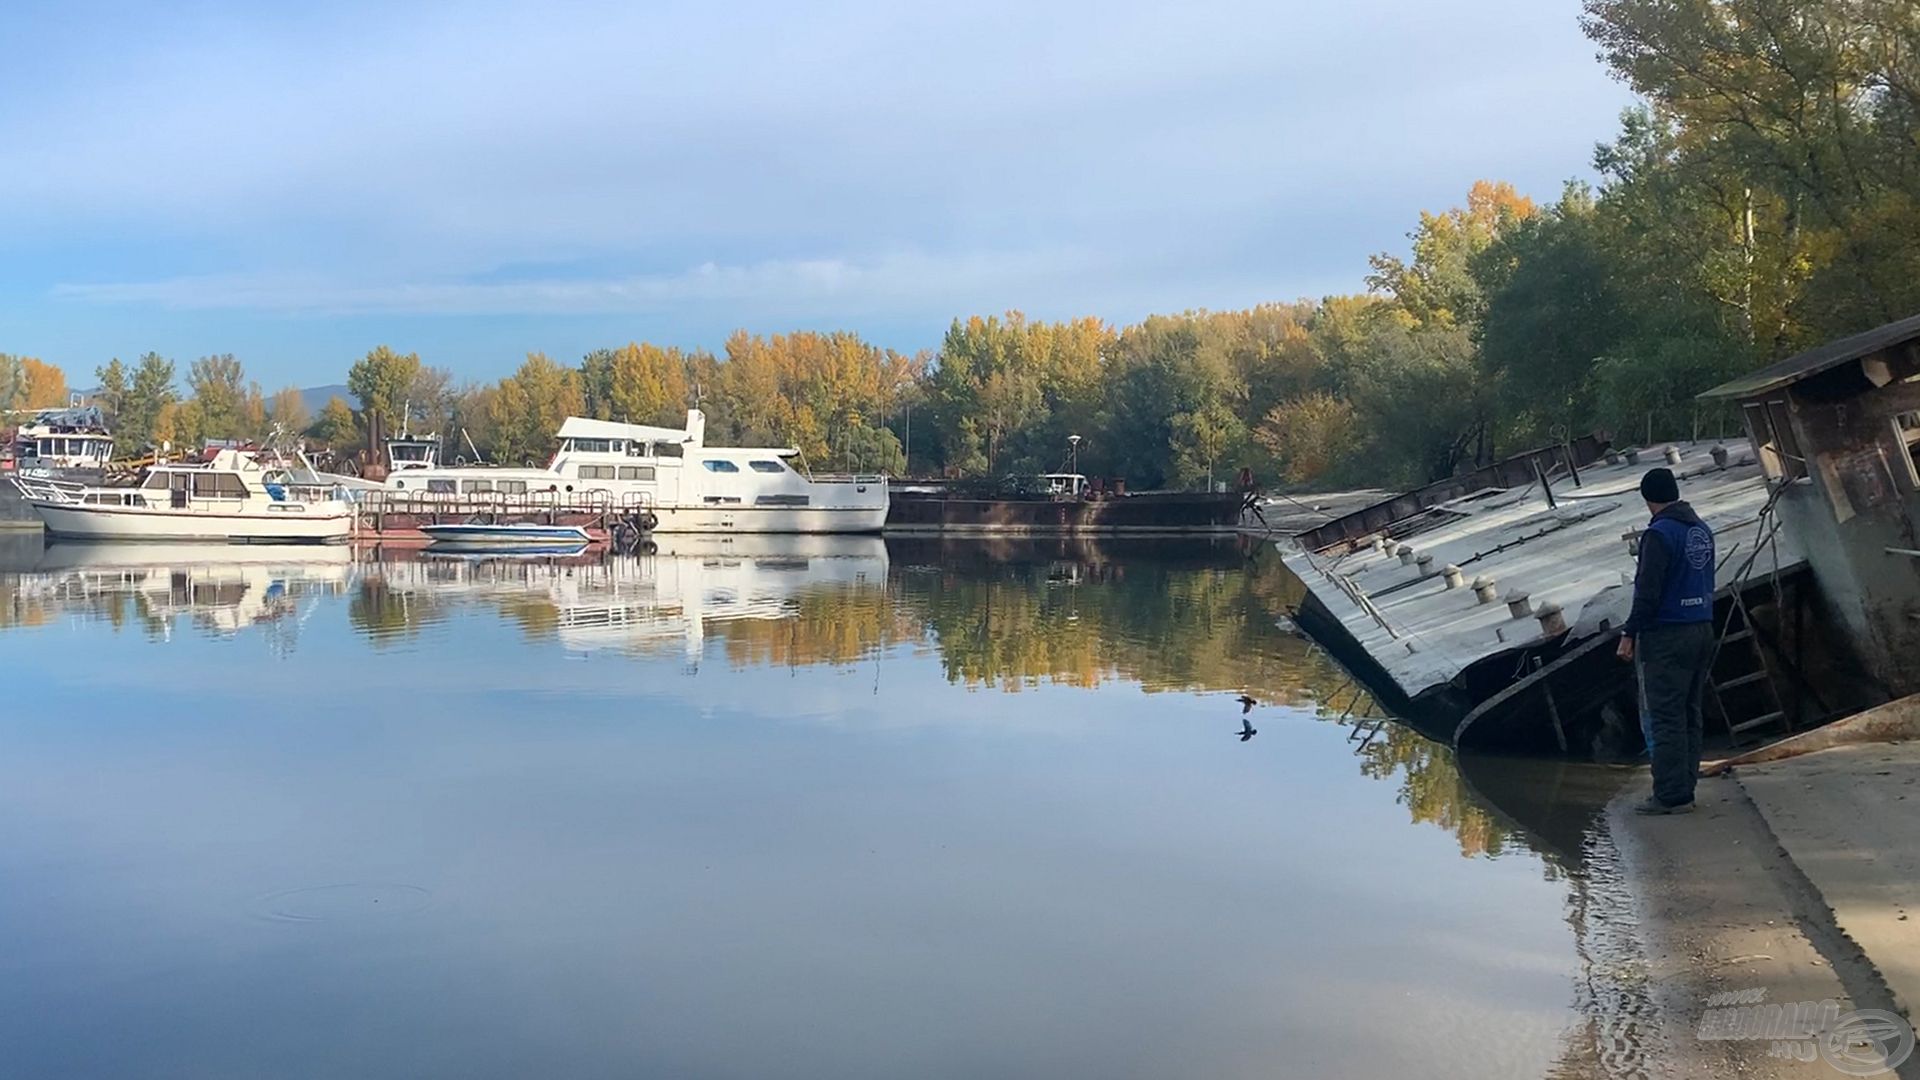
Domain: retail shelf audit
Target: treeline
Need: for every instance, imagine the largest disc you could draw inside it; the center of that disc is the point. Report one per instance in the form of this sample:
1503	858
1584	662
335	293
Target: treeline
1765	197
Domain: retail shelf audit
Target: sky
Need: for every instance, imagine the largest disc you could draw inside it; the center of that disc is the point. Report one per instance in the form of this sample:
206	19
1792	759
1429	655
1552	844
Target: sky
295	184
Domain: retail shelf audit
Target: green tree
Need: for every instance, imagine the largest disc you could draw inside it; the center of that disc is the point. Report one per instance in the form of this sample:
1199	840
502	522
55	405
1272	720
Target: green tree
112	394
217	387
149	395
383	380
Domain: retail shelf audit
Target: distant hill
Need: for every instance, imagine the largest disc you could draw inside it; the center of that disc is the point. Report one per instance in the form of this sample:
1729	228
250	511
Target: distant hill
315	398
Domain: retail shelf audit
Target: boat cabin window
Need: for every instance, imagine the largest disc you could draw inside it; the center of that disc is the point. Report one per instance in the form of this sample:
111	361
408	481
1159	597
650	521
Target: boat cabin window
596	472
591	446
639	448
472	487
636	472
767	466
669	449
440	487
408	451
721	466
156	481
511	487
782	500
218	486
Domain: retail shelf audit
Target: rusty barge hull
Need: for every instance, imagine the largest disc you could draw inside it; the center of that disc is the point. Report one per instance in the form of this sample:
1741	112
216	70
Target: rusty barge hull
1133	515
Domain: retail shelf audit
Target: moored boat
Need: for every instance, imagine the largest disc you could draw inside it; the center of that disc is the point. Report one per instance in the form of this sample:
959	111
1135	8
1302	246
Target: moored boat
511	533
667	474
229	499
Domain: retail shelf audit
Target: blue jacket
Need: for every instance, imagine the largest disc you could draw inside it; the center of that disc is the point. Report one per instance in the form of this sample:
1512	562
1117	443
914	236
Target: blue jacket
1675	579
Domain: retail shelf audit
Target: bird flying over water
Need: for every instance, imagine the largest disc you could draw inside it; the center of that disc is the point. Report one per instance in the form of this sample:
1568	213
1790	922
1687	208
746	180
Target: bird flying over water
1247	730
1246	704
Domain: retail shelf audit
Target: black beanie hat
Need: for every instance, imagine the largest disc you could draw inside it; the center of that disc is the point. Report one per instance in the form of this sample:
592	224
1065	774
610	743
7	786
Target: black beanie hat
1659	486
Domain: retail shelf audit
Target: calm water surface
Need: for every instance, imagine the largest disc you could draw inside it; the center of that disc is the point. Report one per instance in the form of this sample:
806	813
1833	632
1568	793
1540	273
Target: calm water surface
762	808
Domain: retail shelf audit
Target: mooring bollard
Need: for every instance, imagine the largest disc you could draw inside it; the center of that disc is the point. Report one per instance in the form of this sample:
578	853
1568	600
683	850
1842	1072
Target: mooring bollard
1552	622
1406	556
1633	542
1424	564
1673	455
1719	457
1518	605
1485	589
1633	457
1388	546
1453	576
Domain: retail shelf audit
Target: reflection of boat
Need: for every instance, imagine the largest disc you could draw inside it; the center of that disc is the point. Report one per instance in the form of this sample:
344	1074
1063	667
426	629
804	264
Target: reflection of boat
670	597
517	533
228	499
690	487
223	588
496	550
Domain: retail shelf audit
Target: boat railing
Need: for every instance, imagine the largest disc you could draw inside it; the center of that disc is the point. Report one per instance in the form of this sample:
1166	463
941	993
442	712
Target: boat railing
847	478
47	489
597	501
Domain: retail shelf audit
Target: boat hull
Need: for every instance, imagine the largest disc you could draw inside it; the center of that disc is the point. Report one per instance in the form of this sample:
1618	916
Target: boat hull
770	519
513	534
309	525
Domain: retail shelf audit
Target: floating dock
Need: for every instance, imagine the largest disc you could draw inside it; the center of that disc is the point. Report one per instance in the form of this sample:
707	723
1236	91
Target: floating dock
1486	617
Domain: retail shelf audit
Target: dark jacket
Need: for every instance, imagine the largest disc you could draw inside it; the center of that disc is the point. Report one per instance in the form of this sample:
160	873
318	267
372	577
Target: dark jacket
1674	583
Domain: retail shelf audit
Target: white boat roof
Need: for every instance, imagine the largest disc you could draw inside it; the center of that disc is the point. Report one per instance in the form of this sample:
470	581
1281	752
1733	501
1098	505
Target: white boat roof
584	427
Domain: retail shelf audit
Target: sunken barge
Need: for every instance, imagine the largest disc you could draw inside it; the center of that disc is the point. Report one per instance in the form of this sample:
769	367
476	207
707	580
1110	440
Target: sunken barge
1484	610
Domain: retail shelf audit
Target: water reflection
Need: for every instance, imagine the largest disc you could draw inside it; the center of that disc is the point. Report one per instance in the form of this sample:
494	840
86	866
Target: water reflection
1155	651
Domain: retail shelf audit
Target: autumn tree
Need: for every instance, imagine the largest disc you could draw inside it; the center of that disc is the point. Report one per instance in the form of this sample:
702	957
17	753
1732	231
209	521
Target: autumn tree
217	387
529	406
288	409
44	386
112	394
335	427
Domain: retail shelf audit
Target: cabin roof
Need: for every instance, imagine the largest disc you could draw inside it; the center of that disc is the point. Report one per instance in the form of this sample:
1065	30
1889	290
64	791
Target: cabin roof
582	427
1816	360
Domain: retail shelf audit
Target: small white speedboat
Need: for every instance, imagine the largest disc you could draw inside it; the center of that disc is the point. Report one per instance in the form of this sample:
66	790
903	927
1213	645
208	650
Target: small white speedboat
514	534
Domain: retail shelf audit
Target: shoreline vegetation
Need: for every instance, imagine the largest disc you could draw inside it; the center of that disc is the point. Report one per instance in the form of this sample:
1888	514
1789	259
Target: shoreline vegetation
1763	197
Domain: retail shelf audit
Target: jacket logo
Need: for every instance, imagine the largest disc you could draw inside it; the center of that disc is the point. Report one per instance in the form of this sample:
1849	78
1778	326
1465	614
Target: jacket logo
1699	548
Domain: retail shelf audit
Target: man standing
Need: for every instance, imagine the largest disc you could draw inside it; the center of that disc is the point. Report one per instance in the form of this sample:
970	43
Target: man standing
1669	638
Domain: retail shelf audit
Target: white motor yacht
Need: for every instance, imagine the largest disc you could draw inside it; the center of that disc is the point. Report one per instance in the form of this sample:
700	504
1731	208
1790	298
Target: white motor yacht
231	499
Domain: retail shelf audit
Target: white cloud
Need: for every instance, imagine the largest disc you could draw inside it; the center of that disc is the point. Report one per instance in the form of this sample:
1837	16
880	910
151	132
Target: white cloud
798	287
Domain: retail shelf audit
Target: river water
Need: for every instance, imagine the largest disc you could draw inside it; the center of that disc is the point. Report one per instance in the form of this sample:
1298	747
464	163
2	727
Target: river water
759	807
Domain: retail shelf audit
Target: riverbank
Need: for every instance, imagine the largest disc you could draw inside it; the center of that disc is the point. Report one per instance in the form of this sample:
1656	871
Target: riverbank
1794	881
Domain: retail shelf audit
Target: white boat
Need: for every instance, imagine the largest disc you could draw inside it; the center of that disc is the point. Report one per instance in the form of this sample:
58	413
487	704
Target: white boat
670	473
520	532
72	438
230	499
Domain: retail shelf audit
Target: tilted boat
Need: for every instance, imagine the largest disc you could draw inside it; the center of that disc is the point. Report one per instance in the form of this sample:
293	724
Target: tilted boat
671	475
231	498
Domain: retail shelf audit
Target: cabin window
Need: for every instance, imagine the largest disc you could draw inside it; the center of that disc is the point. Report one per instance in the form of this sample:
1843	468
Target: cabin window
593	446
669	449
218	486
722	500
156	481
767	466
440	487
636	472
474	487
596	472
721	466
781	500
639	448
511	487
1906	432
1771	428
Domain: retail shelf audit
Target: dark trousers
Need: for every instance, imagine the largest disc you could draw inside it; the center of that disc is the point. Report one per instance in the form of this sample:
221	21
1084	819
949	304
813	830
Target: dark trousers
1674	662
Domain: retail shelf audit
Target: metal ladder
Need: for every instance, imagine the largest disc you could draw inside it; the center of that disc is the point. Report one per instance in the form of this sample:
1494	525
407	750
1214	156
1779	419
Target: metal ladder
1739	627
1772	710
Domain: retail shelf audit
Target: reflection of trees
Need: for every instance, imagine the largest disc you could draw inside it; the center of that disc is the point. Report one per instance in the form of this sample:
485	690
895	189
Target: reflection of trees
1432	789
826	624
386	614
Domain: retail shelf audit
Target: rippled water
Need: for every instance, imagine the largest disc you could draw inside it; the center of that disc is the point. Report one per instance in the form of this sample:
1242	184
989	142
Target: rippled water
761	807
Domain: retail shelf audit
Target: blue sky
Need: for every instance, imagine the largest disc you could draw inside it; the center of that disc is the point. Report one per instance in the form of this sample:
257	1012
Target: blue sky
297	183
